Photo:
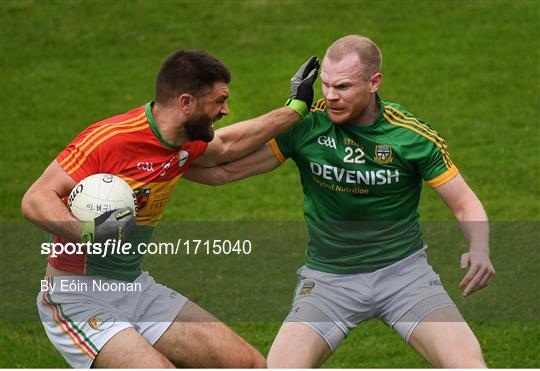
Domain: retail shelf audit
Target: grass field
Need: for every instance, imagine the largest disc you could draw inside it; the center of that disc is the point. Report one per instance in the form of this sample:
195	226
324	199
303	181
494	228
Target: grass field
471	68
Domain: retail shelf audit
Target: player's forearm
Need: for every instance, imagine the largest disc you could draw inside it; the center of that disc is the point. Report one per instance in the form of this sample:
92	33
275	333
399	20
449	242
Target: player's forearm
246	136
222	174
246	167
258	162
206	175
474	224
46	210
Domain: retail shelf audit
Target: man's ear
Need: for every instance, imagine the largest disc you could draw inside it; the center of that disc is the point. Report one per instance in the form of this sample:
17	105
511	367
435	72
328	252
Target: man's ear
185	102
376	82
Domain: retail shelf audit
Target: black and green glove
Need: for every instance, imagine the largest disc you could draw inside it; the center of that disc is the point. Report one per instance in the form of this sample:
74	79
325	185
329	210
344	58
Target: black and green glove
302	87
113	224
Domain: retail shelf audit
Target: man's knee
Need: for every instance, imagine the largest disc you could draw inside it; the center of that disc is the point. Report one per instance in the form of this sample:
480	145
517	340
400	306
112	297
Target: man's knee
297	345
245	356
128	349
467	354
258	361
445	340
253	358
466	361
459	349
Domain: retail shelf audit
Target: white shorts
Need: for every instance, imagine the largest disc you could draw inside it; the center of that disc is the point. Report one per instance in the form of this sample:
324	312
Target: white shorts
81	313
401	295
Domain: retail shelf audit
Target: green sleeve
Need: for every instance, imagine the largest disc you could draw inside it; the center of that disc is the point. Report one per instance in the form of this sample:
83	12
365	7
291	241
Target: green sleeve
285	142
429	152
290	138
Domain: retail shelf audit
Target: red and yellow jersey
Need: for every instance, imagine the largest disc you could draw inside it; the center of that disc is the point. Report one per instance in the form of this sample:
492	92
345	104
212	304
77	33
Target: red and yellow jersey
131	147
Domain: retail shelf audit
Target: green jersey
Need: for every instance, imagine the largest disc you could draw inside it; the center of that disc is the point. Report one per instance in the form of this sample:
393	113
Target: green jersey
362	185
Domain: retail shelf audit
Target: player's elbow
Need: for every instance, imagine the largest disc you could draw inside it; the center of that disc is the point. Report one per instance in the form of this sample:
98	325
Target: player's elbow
227	150
220	177
227	153
28	204
211	182
469	209
33	202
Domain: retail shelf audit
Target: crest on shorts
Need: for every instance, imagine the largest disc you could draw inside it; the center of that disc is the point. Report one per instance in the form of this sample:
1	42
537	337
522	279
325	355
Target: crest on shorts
307	288
102	321
383	153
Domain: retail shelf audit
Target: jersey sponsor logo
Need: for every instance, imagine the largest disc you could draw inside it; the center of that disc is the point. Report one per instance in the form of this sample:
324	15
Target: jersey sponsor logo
145	166
182	158
142	196
383	154
350	142
102	321
327	141
367	177
152	198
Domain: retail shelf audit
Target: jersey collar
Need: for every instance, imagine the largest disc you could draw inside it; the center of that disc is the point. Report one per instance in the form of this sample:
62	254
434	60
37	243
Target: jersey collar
377	120
380	103
153	126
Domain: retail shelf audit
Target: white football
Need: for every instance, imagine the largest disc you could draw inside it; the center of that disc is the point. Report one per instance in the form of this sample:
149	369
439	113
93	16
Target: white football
99	193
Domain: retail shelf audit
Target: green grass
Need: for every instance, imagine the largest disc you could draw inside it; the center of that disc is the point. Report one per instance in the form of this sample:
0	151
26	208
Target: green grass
371	345
472	69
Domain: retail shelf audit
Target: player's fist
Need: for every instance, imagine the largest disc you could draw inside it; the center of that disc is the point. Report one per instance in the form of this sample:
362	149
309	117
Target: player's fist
302	87
113	224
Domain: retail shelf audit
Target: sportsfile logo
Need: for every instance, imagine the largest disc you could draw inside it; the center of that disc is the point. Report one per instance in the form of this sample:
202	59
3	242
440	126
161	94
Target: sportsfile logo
327	141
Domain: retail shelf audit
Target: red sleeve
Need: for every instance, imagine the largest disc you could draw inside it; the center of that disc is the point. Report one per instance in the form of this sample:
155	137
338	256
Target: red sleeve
198	148
81	158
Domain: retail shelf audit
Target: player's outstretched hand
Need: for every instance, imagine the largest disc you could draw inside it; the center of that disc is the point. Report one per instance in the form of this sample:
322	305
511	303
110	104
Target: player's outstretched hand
113	224
301	97
480	272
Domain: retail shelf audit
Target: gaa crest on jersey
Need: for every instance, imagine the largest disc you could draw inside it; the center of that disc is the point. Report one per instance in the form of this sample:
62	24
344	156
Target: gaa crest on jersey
307	288
327	141
142	195
102	321
383	154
